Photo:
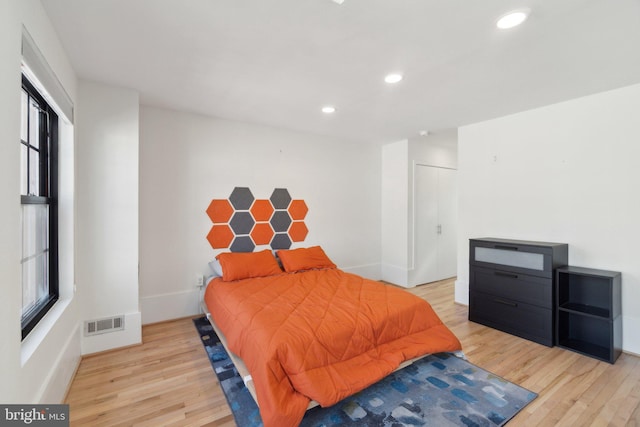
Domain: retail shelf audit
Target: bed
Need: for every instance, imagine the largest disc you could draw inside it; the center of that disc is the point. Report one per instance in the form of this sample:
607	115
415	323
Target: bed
310	332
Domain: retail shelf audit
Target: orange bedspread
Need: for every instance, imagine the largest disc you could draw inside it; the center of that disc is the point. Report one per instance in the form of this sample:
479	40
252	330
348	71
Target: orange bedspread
321	335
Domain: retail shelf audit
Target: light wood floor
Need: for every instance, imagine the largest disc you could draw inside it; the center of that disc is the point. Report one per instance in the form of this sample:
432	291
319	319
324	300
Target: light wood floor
168	381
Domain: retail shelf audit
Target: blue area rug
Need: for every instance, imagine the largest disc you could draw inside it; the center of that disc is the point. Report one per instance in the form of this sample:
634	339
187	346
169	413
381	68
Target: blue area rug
439	390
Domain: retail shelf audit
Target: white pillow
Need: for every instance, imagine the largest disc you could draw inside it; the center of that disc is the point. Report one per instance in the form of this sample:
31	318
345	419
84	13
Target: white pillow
215	268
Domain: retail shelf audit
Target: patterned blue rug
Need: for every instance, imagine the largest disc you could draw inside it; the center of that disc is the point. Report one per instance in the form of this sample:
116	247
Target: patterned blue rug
439	390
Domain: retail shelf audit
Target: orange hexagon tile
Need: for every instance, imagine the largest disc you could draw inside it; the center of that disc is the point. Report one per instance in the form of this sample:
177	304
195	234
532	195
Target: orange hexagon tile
220	236
298	231
262	233
298	210
262	210
220	211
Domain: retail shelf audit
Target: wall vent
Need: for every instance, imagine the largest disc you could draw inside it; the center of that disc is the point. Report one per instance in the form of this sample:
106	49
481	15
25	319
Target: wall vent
102	326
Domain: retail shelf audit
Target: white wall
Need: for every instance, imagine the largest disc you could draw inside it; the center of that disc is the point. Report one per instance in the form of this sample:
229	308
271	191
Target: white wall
38	369
186	160
436	149
563	173
399	160
395	212
107	211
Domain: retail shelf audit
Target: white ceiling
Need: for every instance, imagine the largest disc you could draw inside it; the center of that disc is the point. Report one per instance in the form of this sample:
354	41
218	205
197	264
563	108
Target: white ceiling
277	62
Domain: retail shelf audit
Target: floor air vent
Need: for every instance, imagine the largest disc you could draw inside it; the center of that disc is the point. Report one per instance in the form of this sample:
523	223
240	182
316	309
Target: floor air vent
102	326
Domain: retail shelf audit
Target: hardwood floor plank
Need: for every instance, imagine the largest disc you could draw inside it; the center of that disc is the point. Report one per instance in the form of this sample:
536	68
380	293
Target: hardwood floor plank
635	417
168	379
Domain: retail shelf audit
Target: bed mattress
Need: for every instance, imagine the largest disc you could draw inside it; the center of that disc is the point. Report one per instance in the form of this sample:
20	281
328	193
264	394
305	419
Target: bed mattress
320	335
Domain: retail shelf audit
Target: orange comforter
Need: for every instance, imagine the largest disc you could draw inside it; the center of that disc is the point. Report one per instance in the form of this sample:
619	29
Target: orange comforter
321	335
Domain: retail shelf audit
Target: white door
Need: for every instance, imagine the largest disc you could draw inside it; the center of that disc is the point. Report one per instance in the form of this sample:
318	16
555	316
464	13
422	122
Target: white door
448	222
435	220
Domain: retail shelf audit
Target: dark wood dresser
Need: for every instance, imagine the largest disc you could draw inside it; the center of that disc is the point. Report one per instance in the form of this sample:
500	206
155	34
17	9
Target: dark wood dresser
511	286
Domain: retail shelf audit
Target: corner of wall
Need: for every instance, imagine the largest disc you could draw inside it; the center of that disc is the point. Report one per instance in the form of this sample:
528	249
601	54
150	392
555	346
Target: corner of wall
174	305
461	293
396	275
370	271
131	335
107	220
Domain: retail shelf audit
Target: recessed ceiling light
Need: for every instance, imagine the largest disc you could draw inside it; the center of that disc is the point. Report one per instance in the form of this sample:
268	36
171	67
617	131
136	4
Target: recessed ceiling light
338	1
393	78
328	109
512	19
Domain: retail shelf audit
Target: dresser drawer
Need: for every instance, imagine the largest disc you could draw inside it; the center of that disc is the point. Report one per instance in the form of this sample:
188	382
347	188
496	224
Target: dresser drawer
524	320
533	258
515	286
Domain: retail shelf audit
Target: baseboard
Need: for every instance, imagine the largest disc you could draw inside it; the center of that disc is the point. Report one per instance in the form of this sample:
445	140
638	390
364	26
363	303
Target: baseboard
73	377
396	275
370	271
57	383
130	335
158	308
110	350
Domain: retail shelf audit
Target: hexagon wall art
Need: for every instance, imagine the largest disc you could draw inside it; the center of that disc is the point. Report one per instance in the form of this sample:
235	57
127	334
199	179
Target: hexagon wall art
242	222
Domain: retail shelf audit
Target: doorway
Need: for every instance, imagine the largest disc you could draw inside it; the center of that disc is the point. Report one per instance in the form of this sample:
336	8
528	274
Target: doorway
435	224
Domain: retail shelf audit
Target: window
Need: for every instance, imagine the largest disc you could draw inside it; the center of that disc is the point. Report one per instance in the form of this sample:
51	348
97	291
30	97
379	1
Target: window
39	192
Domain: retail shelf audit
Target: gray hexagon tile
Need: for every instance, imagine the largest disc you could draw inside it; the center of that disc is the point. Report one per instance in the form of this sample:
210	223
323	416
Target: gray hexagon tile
242	244
281	241
241	198
241	223
280	198
280	221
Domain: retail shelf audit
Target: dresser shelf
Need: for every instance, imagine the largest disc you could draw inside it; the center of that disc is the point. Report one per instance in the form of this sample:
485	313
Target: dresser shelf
585	309
589	317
